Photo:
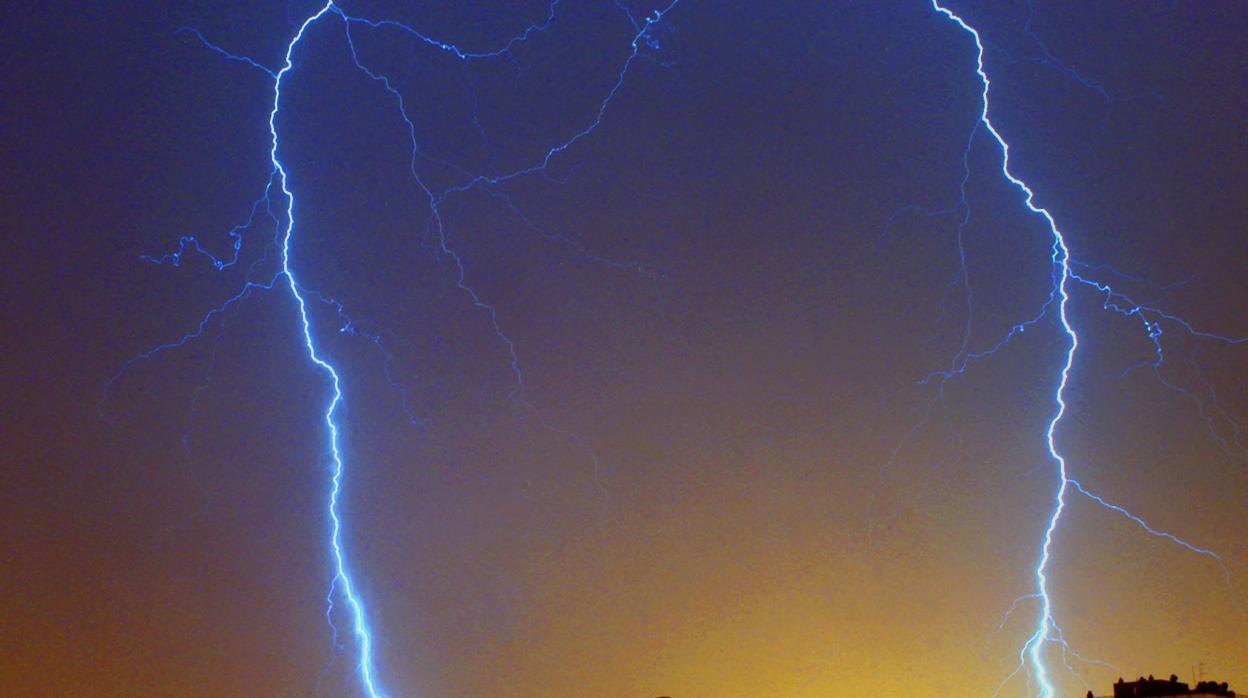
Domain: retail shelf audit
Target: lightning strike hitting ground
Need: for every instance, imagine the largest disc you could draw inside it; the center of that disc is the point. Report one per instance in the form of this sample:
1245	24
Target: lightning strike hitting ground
284	221
1047	631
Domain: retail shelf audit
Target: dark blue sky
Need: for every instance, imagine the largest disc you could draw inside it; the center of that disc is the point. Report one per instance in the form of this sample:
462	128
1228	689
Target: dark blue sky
718	472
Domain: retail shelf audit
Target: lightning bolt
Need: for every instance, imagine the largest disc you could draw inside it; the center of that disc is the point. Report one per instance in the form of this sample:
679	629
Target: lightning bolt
285	277
1065	278
1061	259
342	575
1067	275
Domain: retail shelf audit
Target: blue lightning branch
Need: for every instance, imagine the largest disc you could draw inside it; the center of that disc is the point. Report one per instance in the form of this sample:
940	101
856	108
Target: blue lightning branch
284	230
488	184
1066	273
1049	58
227	54
189	244
205	383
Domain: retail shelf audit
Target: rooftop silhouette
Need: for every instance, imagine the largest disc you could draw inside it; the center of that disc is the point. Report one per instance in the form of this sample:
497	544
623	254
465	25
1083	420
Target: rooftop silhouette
1162	688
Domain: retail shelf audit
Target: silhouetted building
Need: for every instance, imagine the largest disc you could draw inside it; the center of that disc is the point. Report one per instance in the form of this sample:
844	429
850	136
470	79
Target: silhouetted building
1164	688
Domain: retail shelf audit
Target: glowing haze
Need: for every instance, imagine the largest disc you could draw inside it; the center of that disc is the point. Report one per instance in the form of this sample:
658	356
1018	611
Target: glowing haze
599	348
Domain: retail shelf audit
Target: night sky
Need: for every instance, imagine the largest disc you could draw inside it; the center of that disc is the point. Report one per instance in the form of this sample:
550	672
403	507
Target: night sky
651	420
